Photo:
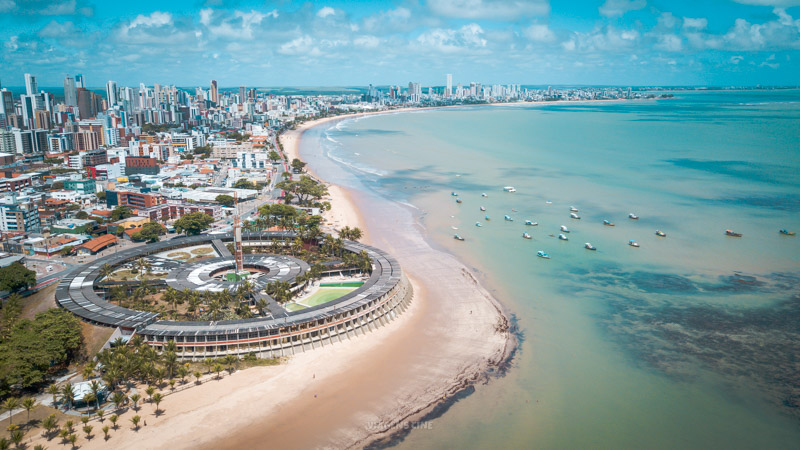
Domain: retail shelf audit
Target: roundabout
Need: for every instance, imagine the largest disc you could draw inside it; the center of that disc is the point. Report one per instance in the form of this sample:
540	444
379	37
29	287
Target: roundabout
280	332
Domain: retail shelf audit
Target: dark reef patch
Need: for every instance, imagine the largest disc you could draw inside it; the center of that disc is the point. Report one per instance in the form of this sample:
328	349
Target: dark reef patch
751	345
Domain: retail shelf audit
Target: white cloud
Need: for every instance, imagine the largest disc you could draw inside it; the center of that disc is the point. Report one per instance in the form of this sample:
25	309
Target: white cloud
736	59
489	9
539	33
617	8
366	41
57	30
695	24
156	19
453	41
669	42
609	39
393	20
781	3
6	5
300	45
325	12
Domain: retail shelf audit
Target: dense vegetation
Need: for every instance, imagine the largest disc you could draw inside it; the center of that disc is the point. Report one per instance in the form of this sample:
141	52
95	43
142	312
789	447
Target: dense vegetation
193	223
31	349
16	277
150	232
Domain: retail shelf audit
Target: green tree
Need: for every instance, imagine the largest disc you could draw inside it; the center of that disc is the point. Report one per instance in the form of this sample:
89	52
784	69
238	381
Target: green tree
88	430
101	196
50	423
121	212
135	399
225	200
15	277
244	183
9	405
105	432
193	223
135	421
150	232
305	189
113	419
83	215
9	315
157	399
29	403
273	155
297	165
57	185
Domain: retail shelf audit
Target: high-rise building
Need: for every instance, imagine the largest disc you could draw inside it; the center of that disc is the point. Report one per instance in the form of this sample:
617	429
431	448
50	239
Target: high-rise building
79	81
6	102
28	107
214	94
70	92
30	84
449	90
111	94
242	94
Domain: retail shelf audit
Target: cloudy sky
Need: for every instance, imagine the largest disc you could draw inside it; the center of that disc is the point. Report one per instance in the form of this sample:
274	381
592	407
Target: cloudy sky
349	43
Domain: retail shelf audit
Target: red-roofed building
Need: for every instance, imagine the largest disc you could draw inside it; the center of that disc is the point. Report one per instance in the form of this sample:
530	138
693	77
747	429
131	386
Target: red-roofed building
97	244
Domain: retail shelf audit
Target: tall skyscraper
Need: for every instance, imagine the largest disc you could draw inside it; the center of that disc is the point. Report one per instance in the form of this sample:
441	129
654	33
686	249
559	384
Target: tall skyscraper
30	84
79	81
111	94
449	90
70	92
214	94
242	94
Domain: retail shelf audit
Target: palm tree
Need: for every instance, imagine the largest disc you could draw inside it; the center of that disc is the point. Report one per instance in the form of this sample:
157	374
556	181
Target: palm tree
142	265
150	391
53	390
9	405
50	423
16	437
197	376
100	413
88	398
218	369
29	403
135	399
95	387
72	439
118	398
106	271
261	305
157	398
105	432
88	430
135	421
88	372
113	419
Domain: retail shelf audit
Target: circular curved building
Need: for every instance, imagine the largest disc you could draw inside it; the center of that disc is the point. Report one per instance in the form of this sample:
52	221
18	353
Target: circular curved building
380	299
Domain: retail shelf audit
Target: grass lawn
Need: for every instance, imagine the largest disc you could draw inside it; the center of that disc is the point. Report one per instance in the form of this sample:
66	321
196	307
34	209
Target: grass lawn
130	275
294	307
325	295
343	284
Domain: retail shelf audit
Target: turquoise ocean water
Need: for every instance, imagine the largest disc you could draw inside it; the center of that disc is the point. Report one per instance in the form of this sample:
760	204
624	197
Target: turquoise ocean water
692	339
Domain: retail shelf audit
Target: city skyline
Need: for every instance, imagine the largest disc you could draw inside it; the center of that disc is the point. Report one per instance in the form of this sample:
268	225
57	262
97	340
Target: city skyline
336	43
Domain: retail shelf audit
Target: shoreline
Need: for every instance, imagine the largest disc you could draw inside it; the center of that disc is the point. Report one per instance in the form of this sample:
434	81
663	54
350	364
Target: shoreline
495	361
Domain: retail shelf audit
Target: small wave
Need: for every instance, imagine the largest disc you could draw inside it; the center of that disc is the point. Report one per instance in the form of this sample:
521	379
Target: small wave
409	205
360	168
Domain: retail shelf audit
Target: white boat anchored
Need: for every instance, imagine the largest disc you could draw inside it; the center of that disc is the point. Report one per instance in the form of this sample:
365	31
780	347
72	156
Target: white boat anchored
526	236
573	209
483	208
589	246
542	254
574	216
564	229
509	189
563	237
531	223
633	216
478	224
633	243
458	238
608	224
484	194
508	218
661	233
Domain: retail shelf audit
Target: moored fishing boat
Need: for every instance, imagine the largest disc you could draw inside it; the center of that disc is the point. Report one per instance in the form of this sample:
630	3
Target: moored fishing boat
589	246
633	216
478	224
732	233
661	233
563	237
483	208
508	218
608	223
542	254
786	232
564	229
458	200
531	223
574	216
633	243
509	189
526	235
458	238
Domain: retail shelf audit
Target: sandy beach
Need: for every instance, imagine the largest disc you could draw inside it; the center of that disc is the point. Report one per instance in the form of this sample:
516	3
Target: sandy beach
348	394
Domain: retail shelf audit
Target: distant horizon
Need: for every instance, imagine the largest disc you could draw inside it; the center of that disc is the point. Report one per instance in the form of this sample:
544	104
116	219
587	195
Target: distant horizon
346	43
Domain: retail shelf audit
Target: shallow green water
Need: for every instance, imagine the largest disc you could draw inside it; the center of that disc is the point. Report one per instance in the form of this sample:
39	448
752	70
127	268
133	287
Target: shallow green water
692	339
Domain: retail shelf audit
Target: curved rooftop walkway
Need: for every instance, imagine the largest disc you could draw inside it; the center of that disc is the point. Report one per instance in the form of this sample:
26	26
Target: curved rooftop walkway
197	276
76	293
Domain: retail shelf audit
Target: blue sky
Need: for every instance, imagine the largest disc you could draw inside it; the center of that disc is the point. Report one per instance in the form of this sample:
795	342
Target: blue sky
349	43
